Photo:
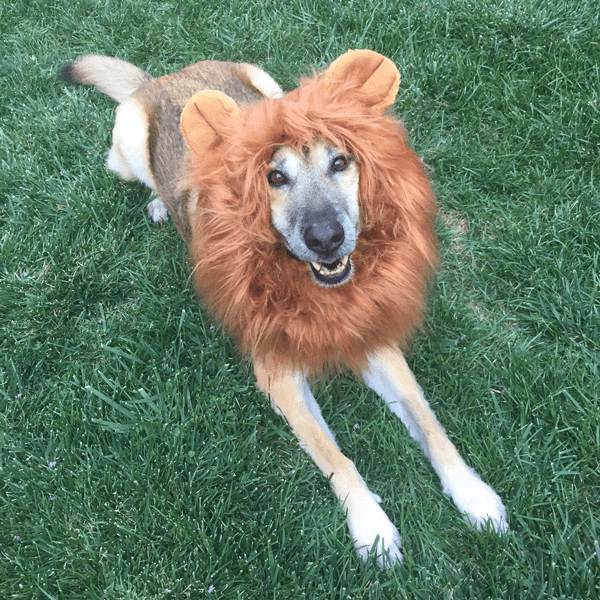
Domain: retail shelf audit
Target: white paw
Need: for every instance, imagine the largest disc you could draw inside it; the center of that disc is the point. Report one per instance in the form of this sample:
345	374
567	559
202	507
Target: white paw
157	211
374	532
478	502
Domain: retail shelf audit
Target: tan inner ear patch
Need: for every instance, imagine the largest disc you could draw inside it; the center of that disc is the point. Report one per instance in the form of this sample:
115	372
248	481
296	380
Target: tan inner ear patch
202	116
377	75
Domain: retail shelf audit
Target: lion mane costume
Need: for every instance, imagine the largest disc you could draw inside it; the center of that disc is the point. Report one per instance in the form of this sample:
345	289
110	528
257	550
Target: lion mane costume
266	299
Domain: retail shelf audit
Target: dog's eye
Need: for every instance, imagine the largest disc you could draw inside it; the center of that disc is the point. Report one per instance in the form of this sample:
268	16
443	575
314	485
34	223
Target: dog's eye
340	163
276	178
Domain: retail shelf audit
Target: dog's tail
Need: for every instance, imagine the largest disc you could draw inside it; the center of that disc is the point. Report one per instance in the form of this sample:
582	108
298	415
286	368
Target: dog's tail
113	76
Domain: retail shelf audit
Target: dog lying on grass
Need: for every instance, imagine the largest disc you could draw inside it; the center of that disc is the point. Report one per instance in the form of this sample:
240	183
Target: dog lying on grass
309	226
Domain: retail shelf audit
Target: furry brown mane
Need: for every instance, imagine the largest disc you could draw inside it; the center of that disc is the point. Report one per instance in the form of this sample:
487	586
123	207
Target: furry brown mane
269	302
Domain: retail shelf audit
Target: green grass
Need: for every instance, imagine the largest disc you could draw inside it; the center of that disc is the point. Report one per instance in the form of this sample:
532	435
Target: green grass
137	460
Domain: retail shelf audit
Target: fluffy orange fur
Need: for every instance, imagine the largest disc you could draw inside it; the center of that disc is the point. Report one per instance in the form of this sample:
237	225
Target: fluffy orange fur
267	301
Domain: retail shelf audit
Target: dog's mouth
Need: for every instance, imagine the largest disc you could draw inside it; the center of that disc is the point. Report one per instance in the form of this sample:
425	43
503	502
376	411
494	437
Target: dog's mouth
333	273
328	274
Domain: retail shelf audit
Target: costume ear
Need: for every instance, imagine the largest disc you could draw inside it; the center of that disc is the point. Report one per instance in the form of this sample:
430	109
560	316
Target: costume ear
376	76
203	116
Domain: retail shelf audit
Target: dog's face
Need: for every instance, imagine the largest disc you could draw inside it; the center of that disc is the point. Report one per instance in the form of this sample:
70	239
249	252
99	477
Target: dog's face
315	208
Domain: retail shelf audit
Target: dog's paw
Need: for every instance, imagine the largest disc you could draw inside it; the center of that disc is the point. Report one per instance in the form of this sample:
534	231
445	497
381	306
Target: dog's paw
375	534
157	211
478	502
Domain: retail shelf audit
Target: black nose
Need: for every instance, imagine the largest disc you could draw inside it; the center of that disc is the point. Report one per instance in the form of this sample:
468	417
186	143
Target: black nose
324	236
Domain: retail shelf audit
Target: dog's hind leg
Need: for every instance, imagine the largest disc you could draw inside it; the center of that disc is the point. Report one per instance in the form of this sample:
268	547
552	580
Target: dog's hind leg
369	526
129	155
389	375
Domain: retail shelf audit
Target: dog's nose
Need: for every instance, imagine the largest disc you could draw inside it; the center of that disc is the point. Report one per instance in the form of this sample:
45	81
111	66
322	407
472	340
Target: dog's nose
324	236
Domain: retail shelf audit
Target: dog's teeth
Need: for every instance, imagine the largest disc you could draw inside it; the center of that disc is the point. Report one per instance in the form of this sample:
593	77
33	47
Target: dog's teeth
328	272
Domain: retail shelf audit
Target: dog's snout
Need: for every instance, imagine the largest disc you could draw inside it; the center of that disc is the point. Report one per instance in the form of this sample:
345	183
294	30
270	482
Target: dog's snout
324	236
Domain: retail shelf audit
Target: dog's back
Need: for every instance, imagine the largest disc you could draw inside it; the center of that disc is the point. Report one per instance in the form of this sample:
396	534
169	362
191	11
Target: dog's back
147	141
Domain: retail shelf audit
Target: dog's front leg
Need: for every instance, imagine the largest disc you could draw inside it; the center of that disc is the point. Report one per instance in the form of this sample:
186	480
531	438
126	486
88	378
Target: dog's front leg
369	525
389	375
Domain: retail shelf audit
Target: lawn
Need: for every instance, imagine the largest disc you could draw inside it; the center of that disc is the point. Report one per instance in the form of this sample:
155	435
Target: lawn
137	458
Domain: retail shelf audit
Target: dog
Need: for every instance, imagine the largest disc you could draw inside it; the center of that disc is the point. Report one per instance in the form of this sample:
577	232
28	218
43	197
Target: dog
309	223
